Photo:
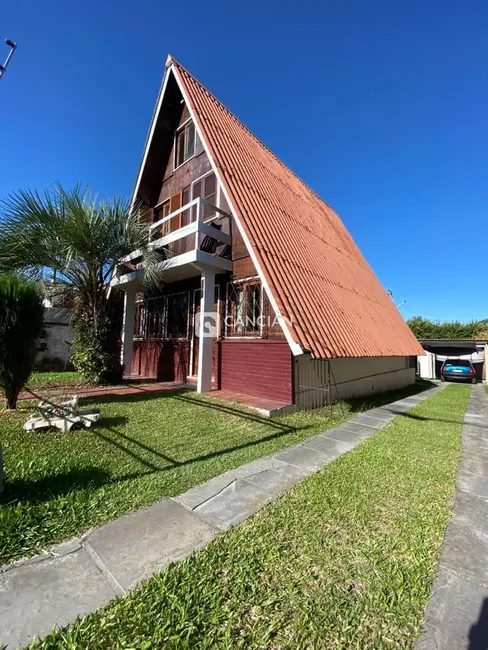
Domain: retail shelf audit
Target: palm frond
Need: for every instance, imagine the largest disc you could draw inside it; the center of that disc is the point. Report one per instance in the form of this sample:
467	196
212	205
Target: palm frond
72	233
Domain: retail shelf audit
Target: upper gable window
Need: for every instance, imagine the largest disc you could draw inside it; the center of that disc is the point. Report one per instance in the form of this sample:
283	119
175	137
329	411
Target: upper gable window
184	143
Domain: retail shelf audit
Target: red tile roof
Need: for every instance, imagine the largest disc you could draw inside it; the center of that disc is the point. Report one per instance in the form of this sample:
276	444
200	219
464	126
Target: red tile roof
320	281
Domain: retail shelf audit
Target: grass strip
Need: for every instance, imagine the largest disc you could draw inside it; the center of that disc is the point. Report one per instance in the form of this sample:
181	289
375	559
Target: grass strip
54	379
345	560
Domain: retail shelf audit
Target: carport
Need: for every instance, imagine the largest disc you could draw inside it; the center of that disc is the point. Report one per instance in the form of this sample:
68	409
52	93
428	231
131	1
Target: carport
438	350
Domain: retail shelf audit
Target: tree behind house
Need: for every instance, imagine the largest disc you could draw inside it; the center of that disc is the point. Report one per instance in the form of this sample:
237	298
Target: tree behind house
427	329
21	320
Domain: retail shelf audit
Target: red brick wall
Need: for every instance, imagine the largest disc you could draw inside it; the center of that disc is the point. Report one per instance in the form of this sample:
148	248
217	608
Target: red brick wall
258	367
163	360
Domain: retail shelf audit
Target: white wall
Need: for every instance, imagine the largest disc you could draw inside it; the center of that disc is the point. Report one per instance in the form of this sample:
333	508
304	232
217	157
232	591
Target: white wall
426	365
317	381
54	350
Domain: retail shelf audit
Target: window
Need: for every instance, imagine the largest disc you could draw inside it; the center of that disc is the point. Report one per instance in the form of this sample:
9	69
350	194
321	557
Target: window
244	308
206	187
161	212
161	316
185	143
139	317
185	198
177	319
154	318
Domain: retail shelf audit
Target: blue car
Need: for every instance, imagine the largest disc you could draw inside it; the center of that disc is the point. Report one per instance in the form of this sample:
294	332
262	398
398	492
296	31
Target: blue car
458	370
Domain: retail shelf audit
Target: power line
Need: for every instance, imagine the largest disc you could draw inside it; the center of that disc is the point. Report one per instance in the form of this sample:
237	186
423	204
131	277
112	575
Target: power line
13	47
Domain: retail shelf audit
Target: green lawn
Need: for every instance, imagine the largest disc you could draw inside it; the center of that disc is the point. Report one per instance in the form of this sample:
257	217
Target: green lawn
143	449
345	560
69	379
54	379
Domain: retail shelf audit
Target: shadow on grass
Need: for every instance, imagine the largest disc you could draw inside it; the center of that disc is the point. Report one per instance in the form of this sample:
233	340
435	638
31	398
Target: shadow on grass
421	418
124	442
54	485
91	478
375	401
194	400
107	431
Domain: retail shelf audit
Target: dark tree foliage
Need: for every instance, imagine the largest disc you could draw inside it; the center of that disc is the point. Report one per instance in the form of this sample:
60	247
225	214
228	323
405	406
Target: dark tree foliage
427	329
21	321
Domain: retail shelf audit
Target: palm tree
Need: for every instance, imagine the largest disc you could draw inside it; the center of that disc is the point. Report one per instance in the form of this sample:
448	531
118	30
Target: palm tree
78	240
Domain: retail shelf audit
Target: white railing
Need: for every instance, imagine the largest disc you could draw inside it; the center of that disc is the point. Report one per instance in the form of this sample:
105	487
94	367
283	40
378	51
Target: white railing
200	226
200	204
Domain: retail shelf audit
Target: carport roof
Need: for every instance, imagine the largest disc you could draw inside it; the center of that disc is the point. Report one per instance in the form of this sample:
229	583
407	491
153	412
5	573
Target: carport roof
455	343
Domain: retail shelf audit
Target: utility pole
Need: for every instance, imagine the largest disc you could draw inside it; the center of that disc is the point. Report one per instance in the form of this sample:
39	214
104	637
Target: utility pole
13	47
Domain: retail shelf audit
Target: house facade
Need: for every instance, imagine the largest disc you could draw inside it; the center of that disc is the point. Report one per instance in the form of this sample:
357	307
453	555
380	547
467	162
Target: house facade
265	293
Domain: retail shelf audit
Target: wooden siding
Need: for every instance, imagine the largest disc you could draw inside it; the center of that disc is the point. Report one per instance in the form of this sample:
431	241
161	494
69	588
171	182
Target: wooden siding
259	367
243	268
176	180
166	360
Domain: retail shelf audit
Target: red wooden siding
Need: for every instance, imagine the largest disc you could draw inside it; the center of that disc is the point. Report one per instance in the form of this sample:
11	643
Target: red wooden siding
259	367
164	360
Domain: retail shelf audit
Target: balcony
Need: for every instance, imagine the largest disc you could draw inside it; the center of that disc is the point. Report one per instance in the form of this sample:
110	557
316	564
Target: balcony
195	237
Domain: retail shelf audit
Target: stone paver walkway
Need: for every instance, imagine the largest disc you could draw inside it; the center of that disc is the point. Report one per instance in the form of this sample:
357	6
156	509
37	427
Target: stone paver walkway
457	615
79	576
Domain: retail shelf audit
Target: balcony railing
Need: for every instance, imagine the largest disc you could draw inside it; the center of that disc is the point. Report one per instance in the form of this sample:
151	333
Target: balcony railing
196	226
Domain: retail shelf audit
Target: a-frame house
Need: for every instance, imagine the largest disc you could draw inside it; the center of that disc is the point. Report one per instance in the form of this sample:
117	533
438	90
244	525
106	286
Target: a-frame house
292	312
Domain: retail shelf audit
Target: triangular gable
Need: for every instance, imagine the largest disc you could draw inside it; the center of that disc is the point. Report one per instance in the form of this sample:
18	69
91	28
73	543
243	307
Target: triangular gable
326	297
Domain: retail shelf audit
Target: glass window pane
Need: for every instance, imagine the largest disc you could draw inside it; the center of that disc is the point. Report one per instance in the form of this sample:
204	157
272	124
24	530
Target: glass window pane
244	309
190	140
210	186
197	191
185	198
177	320
239	310
154	314
180	148
209	193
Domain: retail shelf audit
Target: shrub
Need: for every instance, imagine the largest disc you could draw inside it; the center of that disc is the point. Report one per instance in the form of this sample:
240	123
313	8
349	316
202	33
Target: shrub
21	322
96	341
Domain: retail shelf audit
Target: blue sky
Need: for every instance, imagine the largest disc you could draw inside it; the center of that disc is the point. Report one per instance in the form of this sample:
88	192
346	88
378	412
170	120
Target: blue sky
380	106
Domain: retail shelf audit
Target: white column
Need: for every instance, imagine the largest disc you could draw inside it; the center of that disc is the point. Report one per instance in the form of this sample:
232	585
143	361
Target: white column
128	330
205	344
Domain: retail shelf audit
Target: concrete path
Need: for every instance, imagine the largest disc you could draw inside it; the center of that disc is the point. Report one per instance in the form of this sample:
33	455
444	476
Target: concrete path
457	615
79	576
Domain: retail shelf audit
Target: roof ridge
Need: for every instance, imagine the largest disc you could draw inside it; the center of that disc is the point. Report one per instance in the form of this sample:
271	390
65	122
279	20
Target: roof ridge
172	61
